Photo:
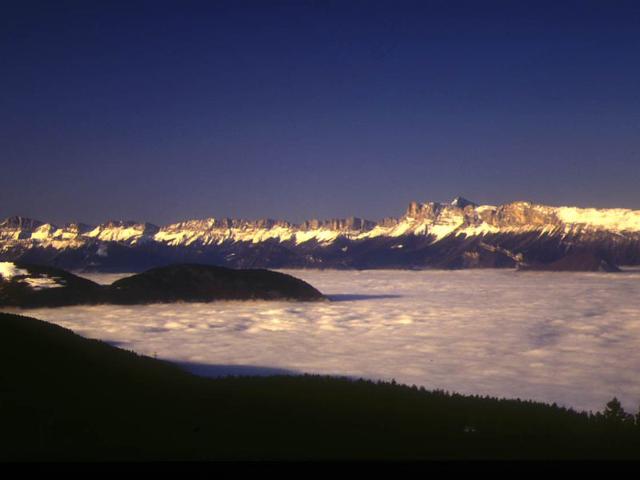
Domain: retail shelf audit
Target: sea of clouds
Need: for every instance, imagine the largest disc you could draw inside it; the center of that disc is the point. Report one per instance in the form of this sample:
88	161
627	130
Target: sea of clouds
569	338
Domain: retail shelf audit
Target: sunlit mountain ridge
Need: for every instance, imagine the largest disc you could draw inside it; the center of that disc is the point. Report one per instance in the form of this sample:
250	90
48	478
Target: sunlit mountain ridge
459	234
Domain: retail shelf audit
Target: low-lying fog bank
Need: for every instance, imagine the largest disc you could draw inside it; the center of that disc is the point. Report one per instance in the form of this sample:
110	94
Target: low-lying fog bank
570	338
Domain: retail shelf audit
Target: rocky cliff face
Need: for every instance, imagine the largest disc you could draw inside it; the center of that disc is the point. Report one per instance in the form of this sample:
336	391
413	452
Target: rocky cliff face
459	234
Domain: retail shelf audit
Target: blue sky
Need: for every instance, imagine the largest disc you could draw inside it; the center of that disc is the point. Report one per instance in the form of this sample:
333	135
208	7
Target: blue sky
163	111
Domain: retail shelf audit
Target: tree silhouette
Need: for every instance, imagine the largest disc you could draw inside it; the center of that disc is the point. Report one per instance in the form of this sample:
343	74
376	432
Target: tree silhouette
614	414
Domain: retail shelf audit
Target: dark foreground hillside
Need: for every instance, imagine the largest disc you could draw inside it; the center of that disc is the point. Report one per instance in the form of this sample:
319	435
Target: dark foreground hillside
66	397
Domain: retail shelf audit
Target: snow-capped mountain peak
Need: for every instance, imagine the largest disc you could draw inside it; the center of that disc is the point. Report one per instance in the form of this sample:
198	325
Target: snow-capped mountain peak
462	202
428	224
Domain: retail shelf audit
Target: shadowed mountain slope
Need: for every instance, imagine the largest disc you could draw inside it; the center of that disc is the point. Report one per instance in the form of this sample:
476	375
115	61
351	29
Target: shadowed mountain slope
64	397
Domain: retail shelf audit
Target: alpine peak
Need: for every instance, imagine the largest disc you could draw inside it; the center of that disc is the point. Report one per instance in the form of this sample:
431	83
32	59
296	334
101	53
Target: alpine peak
459	234
462	202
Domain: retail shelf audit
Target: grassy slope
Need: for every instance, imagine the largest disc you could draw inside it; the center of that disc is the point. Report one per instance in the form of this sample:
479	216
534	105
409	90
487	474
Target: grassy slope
66	397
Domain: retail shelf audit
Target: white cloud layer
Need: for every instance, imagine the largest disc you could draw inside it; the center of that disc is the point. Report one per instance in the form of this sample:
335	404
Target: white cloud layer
570	338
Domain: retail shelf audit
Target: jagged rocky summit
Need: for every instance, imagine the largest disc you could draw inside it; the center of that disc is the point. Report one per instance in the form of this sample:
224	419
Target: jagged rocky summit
454	235
28	286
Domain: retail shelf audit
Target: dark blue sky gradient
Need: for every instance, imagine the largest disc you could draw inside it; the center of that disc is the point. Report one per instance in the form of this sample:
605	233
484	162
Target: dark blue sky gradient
163	111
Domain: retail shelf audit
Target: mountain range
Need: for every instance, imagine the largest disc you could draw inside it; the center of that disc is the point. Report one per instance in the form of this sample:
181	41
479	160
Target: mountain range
455	235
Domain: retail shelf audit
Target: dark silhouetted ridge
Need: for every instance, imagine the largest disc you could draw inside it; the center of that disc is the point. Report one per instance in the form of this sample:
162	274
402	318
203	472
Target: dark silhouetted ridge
64	397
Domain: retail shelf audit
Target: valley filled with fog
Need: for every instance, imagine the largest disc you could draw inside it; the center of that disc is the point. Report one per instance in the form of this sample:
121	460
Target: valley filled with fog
570	338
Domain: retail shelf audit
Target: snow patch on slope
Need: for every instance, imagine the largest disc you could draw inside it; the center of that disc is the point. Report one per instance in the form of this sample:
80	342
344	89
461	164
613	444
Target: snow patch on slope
321	236
618	219
8	270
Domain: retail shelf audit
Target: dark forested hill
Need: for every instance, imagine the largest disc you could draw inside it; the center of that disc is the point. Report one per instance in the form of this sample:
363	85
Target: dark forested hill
28	286
66	397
